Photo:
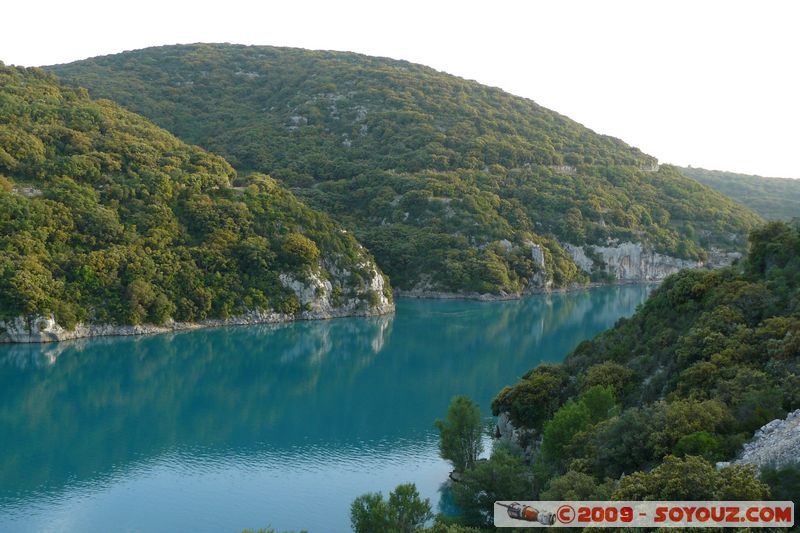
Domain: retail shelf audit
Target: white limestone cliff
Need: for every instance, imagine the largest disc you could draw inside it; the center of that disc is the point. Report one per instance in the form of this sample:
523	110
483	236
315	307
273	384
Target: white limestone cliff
630	261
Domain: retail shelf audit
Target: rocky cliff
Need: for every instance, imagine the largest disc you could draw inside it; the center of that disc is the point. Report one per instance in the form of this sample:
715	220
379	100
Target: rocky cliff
776	444
524	440
630	261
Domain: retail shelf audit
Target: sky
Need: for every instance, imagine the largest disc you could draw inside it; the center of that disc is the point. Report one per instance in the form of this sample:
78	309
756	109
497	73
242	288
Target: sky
713	84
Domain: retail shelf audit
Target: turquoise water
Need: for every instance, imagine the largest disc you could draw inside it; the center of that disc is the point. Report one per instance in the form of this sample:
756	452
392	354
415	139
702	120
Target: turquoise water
225	429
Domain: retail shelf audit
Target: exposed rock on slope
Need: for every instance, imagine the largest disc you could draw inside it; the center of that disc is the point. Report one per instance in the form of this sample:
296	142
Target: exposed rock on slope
523	439
776	444
629	261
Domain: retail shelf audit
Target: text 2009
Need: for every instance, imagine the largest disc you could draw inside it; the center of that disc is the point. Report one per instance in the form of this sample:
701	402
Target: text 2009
604	514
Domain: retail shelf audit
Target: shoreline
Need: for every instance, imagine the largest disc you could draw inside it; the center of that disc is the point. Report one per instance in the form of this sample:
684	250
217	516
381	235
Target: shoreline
487	297
21	330
44	330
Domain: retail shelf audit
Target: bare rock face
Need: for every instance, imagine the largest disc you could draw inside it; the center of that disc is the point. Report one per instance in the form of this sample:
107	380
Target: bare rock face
540	279
314	294
521	439
630	261
776	444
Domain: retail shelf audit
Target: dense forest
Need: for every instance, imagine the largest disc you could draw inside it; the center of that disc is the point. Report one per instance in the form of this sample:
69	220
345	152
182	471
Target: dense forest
772	198
452	185
104	217
655	408
645	409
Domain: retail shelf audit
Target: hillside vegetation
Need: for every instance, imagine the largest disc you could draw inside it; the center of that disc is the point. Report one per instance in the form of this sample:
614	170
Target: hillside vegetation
772	198
105	217
659	398
451	184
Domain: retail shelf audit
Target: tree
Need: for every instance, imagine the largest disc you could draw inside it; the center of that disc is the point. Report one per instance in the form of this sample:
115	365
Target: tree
599	401
685	417
608	374
369	513
700	443
568	421
407	510
784	482
740	482
504	476
460	435
532	401
29	288
577	486
444	525
140	296
299	250
692	478
572	421
404	512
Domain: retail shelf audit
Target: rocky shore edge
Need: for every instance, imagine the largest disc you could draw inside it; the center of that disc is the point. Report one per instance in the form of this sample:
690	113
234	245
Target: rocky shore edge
43	329
487	297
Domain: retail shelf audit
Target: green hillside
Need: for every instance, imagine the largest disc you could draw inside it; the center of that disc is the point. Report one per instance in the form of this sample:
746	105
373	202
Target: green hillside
449	183
106	218
772	198
707	360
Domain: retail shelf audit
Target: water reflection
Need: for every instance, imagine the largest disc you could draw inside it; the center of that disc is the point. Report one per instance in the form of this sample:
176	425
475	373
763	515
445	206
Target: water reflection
331	408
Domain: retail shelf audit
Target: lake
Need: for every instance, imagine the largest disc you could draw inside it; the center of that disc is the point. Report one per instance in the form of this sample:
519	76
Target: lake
276	425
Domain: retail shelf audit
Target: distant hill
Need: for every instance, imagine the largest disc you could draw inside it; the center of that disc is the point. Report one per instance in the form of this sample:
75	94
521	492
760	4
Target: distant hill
107	218
772	198
452	185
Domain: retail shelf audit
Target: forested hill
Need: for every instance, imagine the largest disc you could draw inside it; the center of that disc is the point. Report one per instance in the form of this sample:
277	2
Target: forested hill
452	185
645	409
772	198
107	218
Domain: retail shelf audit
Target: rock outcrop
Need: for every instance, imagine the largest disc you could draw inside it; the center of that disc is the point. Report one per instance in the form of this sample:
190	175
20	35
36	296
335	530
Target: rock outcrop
630	261
540	279
776	444
522	439
314	294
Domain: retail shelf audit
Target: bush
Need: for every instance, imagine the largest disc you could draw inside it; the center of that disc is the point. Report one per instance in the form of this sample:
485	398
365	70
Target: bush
692	478
577	486
784	482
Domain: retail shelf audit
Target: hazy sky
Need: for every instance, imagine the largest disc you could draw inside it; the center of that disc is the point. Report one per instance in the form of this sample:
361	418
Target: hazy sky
704	83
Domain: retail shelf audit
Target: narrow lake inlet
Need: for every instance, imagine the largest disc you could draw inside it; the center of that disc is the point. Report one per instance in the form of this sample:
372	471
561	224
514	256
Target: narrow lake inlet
225	429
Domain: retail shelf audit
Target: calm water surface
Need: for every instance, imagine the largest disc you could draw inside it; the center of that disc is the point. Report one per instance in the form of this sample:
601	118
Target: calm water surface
226	429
